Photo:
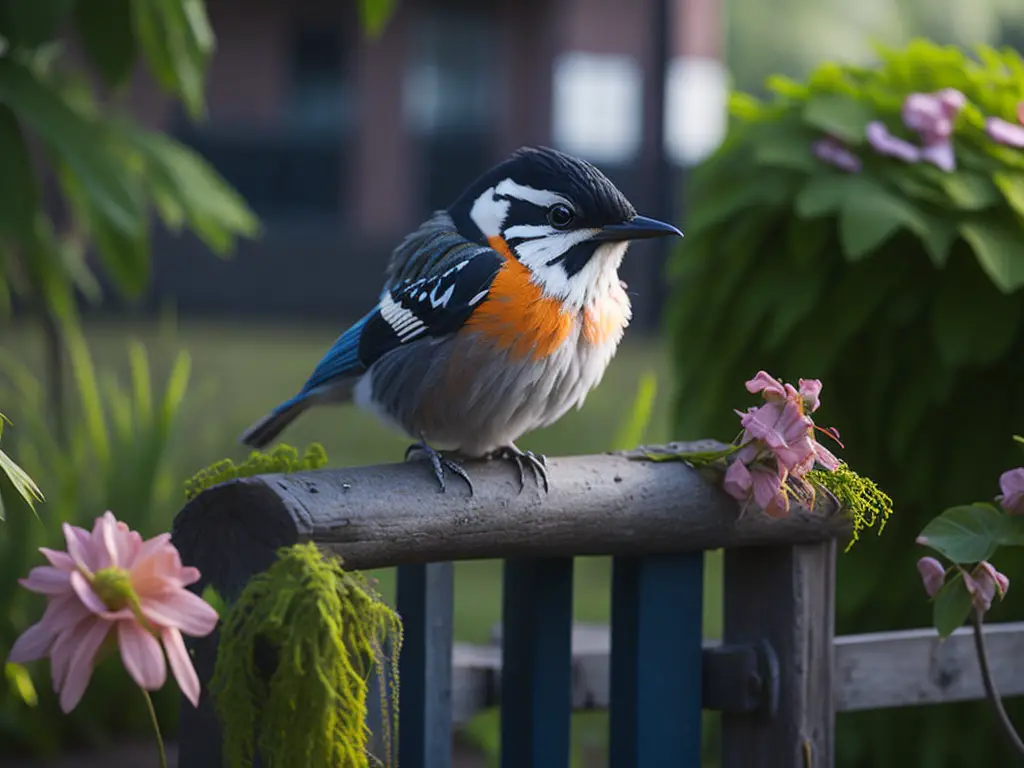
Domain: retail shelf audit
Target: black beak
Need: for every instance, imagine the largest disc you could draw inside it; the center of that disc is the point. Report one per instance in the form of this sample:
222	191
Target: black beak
640	228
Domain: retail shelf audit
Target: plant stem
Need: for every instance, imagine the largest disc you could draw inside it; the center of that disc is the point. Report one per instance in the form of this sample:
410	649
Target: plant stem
990	687
156	727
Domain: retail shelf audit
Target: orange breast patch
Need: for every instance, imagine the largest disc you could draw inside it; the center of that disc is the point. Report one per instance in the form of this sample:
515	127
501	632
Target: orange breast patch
516	315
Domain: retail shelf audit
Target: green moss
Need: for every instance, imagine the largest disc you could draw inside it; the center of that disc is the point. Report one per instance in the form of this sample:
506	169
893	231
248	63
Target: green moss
329	630
283	459
866	503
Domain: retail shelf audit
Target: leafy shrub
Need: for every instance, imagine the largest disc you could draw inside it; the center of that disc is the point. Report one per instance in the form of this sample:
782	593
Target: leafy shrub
115	458
900	286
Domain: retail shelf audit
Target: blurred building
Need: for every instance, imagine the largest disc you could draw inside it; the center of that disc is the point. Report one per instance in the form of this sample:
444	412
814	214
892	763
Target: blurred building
342	144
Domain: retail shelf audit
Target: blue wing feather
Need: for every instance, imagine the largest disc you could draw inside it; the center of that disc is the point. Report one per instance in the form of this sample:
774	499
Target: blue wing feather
435	279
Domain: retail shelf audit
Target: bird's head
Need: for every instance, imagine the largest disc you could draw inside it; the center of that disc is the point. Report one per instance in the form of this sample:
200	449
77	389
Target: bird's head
558	215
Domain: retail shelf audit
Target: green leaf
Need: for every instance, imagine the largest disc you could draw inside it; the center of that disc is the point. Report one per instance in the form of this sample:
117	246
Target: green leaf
108	38
176	38
1014	532
972	322
23	484
374	15
634	426
938	237
1011	185
969	191
822	195
966	534
839	115
30	23
952	606
20	682
77	141
790	149
1000	251
126	257
18	192
213	209
870	215
766	189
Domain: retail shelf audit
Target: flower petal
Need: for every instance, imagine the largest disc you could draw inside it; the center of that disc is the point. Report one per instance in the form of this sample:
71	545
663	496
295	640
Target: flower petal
80	547
84	591
104	537
737	481
1005	132
940	154
1011	483
767	384
886	144
181	664
47	580
933	575
34	643
142	656
80	665
58	559
181	609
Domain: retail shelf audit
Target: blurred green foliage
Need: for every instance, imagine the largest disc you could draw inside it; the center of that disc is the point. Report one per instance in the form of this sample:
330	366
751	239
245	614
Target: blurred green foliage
58	130
900	288
116	457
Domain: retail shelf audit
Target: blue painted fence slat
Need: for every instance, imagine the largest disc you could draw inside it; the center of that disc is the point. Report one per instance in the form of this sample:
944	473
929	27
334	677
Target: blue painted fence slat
536	650
424	601
655	713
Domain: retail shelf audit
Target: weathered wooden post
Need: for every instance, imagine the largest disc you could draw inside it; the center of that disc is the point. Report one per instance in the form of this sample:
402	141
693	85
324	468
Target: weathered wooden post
655	518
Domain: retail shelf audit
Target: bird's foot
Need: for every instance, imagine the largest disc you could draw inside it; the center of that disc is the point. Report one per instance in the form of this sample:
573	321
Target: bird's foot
537	463
439	464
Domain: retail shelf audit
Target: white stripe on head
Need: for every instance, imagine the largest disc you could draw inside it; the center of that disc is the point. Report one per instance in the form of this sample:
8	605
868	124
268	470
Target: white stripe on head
489	212
539	197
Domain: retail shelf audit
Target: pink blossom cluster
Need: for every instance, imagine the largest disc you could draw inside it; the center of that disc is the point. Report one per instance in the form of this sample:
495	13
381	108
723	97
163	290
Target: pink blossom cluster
932	116
983	582
778	447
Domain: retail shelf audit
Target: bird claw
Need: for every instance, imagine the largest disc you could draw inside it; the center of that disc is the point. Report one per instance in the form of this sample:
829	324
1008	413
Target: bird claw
537	463
439	464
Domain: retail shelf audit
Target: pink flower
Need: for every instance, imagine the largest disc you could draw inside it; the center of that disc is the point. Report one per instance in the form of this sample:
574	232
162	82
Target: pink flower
984	583
932	116
885	143
833	152
785	430
1006	132
765	486
933	575
111	582
1011	483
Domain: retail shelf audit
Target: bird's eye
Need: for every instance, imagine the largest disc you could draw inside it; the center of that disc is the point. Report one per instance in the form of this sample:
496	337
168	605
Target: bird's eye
560	216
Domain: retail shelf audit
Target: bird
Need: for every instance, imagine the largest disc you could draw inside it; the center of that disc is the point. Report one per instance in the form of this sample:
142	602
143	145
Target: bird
497	316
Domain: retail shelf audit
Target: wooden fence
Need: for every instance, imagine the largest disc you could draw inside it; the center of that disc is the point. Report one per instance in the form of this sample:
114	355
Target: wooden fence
778	675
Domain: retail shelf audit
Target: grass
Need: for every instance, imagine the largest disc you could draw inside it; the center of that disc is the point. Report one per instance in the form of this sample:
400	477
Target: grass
241	371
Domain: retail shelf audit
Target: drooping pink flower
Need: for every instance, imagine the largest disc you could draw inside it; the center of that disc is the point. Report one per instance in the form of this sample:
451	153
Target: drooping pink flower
833	152
933	575
111	582
885	143
785	431
984	583
760	483
1006	132
1011	483
932	116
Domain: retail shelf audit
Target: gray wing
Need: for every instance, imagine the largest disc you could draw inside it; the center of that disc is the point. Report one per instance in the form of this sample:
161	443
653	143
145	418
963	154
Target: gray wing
432	249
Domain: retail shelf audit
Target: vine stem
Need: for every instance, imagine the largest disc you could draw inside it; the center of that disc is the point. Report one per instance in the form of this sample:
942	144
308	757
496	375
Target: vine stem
990	687
156	728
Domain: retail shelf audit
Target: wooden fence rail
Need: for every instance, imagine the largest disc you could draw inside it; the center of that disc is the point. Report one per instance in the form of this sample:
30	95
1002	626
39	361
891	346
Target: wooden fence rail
777	676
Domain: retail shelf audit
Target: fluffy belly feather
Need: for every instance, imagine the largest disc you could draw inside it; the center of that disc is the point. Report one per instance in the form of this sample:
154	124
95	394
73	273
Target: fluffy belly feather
471	393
